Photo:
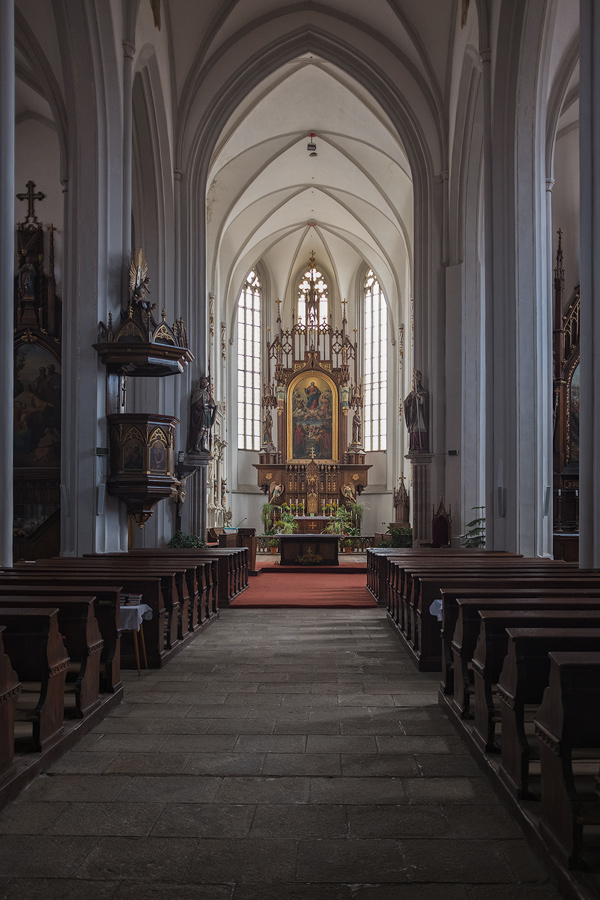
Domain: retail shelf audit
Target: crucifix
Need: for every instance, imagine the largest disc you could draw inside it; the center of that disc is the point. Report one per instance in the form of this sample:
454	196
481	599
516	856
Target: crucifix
278	304
31	197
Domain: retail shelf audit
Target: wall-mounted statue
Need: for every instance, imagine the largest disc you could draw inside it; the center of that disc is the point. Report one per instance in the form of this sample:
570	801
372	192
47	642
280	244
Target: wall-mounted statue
356	428
139	281
267	440
416	414
27	279
202	416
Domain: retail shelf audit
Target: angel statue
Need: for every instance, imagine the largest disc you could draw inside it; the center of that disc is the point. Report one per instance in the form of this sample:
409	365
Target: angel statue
139	281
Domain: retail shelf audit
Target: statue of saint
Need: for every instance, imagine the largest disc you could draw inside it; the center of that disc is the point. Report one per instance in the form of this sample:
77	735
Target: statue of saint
267	429
202	416
356	427
27	279
415	415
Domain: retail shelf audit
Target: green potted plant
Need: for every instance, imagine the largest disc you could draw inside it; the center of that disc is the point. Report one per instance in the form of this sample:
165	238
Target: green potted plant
474	536
273	545
348	545
180	540
398	536
266	512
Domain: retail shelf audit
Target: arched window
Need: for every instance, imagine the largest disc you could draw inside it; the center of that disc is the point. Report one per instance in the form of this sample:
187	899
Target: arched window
248	364
312	296
375	368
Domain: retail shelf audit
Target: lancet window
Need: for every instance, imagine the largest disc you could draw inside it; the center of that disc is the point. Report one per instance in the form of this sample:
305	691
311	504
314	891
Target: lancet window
375	365
313	297
249	363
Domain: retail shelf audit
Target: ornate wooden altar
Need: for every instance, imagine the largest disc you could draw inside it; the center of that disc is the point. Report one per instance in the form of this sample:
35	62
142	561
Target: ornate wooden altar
319	460
566	356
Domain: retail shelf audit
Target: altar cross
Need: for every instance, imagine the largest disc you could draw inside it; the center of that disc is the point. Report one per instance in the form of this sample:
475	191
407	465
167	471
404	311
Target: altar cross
31	197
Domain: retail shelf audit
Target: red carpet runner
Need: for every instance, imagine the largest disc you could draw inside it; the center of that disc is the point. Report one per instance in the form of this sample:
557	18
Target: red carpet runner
288	586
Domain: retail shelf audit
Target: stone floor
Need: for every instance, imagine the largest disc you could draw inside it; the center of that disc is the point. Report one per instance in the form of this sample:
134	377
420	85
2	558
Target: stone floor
284	755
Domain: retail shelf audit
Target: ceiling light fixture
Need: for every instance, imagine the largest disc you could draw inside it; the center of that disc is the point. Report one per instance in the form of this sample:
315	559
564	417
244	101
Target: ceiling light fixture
311	146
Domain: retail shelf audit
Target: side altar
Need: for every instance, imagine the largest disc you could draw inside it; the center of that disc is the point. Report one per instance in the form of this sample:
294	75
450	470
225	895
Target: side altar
312	456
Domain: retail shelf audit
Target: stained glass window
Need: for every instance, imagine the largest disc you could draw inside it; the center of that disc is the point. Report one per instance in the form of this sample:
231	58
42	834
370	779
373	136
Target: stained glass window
375	366
248	364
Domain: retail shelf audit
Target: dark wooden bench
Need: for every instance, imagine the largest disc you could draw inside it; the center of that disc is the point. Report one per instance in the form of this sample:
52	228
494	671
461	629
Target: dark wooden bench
233	571
33	643
456	603
82	639
10	687
106	609
491	649
567	723
206	577
155	583
405	579
521	684
422	586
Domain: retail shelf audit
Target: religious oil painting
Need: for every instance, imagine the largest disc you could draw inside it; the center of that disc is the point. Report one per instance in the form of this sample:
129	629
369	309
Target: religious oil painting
158	456
573	418
36	431
133	455
312	417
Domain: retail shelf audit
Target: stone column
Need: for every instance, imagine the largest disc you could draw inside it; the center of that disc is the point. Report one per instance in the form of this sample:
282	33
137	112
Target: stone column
589	157
199	506
421	483
7	266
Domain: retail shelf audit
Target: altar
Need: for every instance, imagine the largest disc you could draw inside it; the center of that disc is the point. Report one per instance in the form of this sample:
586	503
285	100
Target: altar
322	546
312	524
312	458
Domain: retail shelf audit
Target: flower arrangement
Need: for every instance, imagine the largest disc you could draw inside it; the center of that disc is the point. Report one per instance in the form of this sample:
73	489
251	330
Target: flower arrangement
309	559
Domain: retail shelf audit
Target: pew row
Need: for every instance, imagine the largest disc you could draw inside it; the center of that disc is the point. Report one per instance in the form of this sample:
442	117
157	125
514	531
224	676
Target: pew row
567	726
415	586
106	609
161	587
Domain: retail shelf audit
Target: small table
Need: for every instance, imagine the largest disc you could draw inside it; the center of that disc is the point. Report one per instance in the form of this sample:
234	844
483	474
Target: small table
131	617
295	545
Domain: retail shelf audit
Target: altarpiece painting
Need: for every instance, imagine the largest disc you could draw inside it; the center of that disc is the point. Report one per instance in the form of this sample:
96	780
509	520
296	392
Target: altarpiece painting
312	417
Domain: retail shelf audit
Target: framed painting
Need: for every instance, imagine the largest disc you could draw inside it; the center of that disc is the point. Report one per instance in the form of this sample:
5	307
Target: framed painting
312	417
36	429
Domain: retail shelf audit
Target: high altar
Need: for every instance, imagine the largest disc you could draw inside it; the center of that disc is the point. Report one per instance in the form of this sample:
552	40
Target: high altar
315	460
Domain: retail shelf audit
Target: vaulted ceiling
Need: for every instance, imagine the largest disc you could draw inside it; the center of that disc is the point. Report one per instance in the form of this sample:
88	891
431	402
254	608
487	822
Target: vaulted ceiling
269	197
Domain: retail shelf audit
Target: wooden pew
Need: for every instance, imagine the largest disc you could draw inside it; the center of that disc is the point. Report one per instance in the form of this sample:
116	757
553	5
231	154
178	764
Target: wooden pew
205	577
34	645
522	682
405	576
233	571
492	646
378	571
422	586
155	583
82	639
10	687
456	602
106	609
567	721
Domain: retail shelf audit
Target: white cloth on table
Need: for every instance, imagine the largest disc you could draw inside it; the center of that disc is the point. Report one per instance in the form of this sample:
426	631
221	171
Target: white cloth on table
131	617
436	609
